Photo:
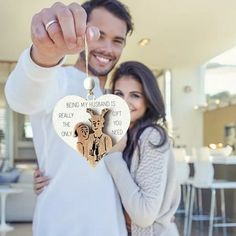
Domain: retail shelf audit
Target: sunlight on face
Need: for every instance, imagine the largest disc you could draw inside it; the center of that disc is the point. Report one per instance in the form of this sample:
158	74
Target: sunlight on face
132	92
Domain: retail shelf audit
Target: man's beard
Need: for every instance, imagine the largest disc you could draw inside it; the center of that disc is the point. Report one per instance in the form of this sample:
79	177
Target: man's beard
93	71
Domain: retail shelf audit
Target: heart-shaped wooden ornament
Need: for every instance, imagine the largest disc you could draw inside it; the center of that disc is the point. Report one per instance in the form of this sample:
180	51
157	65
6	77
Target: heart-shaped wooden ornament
91	127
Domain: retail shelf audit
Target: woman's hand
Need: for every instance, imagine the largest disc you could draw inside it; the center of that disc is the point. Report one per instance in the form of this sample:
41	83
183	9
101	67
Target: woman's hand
120	146
40	181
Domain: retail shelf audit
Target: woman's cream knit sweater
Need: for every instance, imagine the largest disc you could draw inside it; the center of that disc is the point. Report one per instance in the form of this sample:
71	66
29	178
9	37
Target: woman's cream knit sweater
149	191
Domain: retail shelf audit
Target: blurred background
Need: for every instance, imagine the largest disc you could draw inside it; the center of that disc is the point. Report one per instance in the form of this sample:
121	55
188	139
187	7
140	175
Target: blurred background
190	47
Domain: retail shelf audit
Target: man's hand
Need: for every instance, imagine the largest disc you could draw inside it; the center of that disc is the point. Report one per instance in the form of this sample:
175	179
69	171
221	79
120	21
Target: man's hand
40	181
64	36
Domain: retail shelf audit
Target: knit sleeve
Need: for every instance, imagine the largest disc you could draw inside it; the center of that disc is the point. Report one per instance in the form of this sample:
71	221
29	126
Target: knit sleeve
142	196
28	85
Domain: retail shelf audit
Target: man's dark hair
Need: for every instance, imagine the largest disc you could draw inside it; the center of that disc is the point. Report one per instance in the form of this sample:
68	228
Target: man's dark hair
115	7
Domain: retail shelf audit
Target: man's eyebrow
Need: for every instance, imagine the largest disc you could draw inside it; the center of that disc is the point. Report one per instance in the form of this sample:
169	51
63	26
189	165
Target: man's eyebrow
117	37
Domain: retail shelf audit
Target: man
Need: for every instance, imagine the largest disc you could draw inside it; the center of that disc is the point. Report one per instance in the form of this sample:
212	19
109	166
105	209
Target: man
100	143
80	200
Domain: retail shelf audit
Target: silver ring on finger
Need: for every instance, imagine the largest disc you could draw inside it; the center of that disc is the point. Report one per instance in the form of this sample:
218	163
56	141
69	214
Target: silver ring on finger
50	23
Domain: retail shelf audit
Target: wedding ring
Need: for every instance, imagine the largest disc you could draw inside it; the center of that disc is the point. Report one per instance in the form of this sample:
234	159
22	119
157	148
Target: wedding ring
49	24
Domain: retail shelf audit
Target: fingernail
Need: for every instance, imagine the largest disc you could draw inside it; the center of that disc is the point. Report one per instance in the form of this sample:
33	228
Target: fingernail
91	33
96	33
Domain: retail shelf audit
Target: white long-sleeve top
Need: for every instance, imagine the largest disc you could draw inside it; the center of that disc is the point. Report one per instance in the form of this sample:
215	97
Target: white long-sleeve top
80	200
149	192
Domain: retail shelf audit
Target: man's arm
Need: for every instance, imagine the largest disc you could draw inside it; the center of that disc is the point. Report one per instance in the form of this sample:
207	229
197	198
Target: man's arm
29	85
36	73
65	36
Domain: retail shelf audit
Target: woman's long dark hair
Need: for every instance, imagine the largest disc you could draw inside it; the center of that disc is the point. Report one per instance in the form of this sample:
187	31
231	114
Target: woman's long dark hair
155	113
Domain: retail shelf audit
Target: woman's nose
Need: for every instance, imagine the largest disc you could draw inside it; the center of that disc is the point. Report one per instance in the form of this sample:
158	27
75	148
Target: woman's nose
128	101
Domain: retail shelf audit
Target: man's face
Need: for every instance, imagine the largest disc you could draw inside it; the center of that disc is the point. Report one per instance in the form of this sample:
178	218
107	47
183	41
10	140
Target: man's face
106	51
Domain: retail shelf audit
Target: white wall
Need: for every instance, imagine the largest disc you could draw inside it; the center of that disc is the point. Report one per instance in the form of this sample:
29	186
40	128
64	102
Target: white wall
187	122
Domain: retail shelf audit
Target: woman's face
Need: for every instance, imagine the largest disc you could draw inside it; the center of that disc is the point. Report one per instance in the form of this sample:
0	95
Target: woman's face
132	92
83	132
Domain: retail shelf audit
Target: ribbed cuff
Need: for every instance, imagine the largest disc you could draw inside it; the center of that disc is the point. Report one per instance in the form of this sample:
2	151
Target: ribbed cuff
36	72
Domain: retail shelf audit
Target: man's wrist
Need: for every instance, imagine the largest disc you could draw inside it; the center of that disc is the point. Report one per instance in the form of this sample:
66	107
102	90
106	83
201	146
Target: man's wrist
43	61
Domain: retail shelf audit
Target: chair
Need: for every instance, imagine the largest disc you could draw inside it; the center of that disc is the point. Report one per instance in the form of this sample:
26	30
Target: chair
182	173
204	179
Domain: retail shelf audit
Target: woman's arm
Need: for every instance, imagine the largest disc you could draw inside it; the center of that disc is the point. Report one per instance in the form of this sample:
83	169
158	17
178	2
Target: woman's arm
142	197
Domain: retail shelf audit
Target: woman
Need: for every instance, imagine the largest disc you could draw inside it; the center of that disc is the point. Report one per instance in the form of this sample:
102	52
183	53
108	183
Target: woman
144	170
143	166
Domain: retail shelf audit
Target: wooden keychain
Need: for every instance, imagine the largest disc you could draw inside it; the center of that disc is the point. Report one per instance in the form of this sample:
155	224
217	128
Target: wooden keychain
93	125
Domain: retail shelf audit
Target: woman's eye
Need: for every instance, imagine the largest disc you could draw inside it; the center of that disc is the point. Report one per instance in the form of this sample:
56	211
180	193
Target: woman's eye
135	95
118	94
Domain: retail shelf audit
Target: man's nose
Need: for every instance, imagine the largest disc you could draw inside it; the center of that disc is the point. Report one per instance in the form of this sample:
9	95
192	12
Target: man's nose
107	46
